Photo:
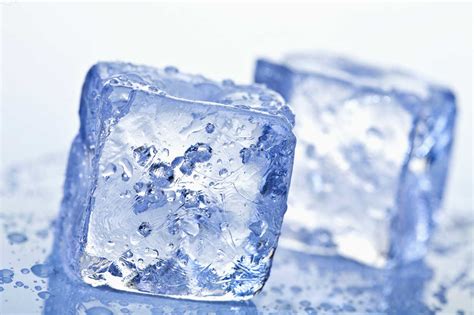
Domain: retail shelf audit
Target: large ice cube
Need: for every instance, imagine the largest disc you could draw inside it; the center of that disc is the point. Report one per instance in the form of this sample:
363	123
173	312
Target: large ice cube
176	185
371	159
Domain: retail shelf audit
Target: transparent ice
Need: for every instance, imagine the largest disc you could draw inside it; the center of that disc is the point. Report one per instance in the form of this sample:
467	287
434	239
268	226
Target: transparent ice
371	159
176	185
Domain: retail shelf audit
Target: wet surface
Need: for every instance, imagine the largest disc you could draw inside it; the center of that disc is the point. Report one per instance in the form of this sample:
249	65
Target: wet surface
31	282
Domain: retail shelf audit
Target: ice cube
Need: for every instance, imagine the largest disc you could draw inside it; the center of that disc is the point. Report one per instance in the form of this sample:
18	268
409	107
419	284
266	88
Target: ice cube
158	198
371	159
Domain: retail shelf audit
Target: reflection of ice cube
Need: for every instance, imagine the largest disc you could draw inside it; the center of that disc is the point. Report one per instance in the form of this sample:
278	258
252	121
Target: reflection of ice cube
371	159
342	286
158	198
70	297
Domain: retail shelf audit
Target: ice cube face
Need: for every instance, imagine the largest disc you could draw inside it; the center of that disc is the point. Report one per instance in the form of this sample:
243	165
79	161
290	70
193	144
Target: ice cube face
176	185
371	158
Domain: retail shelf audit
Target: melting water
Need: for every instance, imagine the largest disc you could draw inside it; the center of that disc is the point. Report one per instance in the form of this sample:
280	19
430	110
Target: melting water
32	282
17	238
42	270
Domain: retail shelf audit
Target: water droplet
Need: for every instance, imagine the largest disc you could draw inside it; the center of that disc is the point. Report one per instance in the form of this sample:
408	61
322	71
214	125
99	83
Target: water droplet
296	289
140	264
42	270
224	226
153	253
210	128
98	310
245	155
171	70
140	188
165	152
144	229
162	174
162	93
42	233
148	197
190	197
6	276
114	81
374	139
228	82
126	194
372	131
140	205
200	152
109	170
348	308
322	238
25	271
186	168
223	172
143	155
127	169
128	254
153	89
156	198
38	288
311	151
19	284
17	238
265	97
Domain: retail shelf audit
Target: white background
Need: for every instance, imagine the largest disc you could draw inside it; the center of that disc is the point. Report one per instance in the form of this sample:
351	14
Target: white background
47	49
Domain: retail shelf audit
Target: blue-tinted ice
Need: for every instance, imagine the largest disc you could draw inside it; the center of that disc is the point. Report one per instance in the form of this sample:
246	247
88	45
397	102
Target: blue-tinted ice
371	160
176	185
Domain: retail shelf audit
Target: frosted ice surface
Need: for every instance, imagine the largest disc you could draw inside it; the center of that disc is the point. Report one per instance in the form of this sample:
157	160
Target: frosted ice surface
371	159
159	197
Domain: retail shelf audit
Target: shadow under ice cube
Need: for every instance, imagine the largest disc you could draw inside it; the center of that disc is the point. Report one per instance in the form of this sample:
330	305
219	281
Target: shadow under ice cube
176	185
371	159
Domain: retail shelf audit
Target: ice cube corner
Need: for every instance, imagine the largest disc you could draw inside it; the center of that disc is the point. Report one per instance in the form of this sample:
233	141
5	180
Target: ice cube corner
176	185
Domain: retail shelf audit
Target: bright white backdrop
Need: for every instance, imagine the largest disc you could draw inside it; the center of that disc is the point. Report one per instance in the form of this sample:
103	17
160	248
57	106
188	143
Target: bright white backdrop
47	49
